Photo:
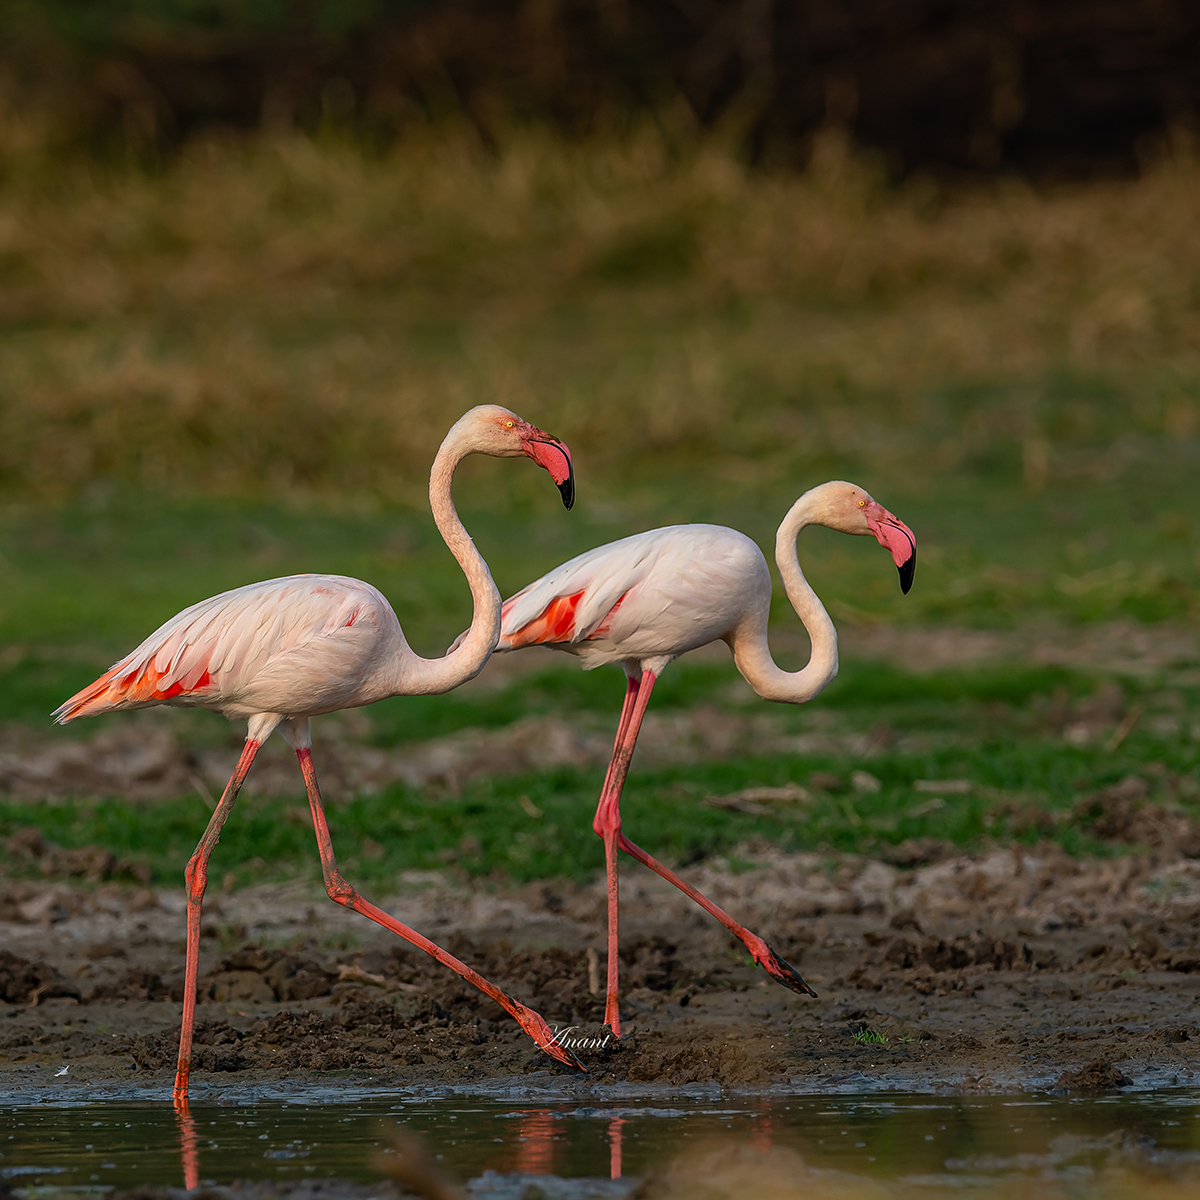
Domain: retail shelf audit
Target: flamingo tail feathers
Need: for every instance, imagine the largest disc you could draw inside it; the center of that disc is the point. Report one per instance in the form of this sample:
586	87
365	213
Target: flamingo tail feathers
130	684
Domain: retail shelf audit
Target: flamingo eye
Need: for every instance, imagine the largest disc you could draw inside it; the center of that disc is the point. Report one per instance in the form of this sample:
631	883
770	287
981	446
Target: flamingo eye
508	424
862	504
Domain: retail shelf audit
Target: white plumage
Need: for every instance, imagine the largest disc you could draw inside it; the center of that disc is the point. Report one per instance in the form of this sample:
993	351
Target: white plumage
297	646
659	593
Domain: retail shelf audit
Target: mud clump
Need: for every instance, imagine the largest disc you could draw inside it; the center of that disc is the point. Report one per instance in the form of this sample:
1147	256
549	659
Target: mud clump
1096	1077
936	966
93	863
25	982
917	852
361	1035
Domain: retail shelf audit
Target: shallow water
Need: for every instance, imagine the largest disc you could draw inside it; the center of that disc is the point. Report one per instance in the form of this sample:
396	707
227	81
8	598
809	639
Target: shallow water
933	1140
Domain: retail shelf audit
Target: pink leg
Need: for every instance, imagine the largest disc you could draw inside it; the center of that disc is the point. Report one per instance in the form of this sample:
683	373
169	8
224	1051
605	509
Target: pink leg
607	823
766	958
341	892
196	877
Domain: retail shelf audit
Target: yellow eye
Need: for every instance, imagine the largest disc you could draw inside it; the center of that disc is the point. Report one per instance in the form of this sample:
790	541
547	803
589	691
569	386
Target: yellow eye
862	504
508	424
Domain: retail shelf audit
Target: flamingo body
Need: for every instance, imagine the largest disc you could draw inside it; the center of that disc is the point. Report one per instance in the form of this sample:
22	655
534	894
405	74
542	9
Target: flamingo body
299	646
646	599
279	652
654	595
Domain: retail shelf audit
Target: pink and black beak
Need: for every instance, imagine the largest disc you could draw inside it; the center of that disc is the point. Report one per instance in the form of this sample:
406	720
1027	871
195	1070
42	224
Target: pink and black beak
893	535
551	453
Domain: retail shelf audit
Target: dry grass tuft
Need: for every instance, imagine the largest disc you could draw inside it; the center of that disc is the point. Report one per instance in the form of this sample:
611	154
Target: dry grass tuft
282	316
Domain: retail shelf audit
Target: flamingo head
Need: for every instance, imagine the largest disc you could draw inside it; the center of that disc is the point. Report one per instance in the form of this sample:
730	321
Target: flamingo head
502	434
850	509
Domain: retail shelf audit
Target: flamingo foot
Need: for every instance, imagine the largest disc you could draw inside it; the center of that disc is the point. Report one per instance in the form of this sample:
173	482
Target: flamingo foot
536	1027
612	1017
778	968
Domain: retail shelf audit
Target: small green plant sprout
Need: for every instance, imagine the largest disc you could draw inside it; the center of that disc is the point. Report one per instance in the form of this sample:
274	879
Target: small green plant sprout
865	1036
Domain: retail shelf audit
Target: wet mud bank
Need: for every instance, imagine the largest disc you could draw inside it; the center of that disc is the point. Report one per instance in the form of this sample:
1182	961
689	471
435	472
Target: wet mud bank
1021	969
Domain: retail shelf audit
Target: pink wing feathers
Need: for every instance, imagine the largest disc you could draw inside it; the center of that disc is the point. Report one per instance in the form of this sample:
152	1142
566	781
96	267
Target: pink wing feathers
580	599
220	644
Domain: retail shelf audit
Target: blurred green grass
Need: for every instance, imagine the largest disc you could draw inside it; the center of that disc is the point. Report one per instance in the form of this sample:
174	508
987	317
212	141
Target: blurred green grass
85	584
996	729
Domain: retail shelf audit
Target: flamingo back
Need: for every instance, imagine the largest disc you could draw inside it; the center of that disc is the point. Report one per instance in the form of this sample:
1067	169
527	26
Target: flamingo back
661	592
286	645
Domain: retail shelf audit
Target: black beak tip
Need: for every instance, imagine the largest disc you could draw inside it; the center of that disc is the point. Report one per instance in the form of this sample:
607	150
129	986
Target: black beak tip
908	569
567	489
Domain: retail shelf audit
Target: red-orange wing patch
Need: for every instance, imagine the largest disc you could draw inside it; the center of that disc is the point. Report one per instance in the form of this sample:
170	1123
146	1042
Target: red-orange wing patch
134	686
555	624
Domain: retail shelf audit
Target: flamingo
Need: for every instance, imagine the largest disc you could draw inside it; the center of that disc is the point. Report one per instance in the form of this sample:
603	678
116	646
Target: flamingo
646	599
280	652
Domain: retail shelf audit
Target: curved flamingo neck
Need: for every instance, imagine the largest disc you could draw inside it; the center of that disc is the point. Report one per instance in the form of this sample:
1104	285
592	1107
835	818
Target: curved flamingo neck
427	676
751	652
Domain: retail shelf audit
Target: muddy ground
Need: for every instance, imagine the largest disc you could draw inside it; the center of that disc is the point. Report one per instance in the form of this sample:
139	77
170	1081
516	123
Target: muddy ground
1018	969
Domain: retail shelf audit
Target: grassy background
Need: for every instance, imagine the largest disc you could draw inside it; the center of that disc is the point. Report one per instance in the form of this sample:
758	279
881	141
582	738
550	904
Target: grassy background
999	729
239	365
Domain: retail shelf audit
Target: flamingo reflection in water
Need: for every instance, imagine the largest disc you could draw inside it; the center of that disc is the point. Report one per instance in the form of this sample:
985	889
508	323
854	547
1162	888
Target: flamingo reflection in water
189	1152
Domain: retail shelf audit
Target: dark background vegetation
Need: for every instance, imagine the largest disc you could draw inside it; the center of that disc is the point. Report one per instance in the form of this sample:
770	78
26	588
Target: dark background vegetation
1053	88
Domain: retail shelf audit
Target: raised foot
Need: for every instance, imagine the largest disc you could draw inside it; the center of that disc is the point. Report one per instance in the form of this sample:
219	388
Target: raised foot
536	1027
780	969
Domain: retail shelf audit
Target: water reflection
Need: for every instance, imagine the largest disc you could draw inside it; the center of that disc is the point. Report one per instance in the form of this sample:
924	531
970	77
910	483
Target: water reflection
894	1142
535	1144
615	1126
543	1142
189	1153
761	1135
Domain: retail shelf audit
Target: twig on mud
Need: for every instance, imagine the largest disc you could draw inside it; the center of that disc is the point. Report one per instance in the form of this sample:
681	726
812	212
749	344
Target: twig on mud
756	800
355	972
1122	731
202	789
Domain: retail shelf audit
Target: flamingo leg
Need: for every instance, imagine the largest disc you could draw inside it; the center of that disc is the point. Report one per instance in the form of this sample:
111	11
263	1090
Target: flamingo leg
343	893
775	966
196	877
607	823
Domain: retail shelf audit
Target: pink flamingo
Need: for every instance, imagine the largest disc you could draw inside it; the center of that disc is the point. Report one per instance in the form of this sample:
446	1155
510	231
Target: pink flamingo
280	652
645	600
